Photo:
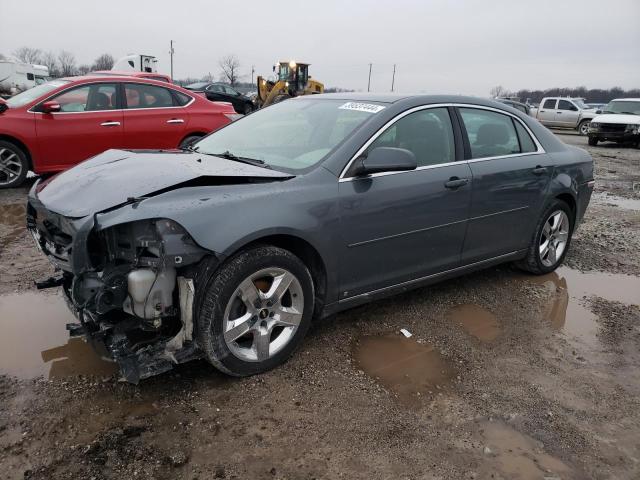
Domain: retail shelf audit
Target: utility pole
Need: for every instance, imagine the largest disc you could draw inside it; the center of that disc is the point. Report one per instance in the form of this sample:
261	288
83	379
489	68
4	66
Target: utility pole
369	84
253	70
171	53
393	79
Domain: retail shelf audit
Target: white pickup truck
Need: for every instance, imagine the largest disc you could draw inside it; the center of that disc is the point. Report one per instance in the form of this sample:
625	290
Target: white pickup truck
619	122
564	112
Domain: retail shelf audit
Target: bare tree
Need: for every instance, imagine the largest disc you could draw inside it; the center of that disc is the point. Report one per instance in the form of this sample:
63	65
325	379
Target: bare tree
83	69
50	61
28	54
104	62
230	66
67	63
499	91
2	57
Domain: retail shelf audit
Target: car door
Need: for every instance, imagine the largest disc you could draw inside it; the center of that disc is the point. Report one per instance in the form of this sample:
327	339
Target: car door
153	117
510	175
89	122
399	226
547	112
567	114
216	93
235	98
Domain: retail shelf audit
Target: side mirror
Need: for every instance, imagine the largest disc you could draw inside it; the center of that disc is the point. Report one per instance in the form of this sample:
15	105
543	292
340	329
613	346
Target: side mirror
598	111
385	159
51	106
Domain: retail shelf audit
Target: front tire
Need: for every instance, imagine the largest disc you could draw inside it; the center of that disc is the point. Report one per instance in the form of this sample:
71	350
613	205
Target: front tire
255	311
551	239
13	165
187	142
593	141
583	127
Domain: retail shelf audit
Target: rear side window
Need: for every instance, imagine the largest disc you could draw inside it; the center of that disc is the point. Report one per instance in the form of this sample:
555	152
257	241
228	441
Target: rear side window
181	98
550	104
566	105
147	96
30	76
490	134
427	133
526	142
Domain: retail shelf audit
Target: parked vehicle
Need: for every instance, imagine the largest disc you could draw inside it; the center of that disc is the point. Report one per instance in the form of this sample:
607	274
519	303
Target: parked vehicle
295	212
219	92
523	107
161	77
595	106
564	112
16	77
137	63
619	122
60	123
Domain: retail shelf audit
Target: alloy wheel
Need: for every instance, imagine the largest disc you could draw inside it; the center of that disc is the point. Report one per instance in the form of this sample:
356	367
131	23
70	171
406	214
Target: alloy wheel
10	166
263	314
554	238
584	128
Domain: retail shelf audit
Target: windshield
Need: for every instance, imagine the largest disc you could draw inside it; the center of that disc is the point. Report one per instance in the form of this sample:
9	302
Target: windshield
32	94
197	86
621	106
292	135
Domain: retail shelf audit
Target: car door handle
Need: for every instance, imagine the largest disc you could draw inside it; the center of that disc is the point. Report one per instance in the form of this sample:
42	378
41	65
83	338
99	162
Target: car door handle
110	124
539	170
175	120
455	182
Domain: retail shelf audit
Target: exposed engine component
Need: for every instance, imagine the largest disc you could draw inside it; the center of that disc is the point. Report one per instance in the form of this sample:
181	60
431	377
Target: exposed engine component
150	293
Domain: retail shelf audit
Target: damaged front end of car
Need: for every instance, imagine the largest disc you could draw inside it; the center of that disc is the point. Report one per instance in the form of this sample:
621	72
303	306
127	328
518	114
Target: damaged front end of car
131	285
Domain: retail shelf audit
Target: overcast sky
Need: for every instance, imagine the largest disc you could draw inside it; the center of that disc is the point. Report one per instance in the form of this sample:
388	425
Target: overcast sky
439	46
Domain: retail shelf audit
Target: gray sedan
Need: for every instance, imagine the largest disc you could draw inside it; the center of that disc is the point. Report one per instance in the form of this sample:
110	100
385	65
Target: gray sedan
230	249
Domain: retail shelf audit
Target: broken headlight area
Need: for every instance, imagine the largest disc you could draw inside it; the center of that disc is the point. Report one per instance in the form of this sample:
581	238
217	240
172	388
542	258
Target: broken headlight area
137	299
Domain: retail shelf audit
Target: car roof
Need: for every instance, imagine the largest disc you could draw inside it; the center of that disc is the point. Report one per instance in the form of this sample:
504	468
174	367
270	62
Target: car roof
626	99
408	99
114	78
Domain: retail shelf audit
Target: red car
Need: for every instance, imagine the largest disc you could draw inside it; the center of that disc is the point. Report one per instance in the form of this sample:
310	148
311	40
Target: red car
56	125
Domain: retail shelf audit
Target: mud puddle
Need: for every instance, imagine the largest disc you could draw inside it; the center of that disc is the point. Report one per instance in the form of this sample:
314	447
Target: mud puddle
34	341
413	371
515	455
620	202
12	222
476	321
568	287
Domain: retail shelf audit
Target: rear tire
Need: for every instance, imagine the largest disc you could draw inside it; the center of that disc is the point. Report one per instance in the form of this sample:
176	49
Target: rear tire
14	165
255	311
593	141
538	261
583	127
190	140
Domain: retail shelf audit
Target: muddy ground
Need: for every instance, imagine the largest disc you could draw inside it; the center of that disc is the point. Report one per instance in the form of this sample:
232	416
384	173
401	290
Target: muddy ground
505	376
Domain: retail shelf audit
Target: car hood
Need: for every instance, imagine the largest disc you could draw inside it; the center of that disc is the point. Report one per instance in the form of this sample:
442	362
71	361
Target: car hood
117	176
619	118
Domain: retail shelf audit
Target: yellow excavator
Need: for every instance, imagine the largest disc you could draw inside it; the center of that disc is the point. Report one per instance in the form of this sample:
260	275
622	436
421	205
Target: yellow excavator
293	80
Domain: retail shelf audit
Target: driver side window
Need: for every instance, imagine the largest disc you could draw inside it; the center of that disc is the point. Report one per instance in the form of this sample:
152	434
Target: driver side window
427	133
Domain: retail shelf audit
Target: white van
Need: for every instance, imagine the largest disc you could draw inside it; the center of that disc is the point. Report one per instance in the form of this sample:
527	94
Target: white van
16	77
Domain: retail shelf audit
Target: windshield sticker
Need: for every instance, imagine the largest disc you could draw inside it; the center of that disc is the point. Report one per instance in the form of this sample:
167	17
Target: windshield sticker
362	107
